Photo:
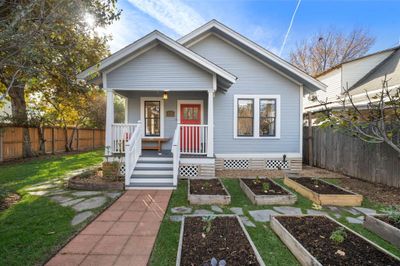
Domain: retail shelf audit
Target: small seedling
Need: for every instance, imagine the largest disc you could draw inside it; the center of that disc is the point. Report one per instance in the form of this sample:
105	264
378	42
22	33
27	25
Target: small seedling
393	213
215	262
316	182
339	235
208	220
257	181
316	206
265	187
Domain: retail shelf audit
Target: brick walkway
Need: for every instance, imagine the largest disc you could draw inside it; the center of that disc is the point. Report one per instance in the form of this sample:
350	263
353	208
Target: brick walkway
124	234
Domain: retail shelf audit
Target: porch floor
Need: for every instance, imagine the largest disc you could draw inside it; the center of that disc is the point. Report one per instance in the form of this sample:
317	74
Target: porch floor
168	154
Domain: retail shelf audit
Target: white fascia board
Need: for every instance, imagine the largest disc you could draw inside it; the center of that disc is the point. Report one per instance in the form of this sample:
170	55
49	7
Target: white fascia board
156	35
215	24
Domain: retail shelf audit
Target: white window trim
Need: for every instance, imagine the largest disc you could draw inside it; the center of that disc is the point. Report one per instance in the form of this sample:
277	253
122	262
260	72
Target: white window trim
142	100
256	119
178	111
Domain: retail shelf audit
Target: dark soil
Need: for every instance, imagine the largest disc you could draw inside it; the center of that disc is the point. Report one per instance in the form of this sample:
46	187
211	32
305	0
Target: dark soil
96	177
206	187
319	186
386	219
314	233
9	200
257	187
225	241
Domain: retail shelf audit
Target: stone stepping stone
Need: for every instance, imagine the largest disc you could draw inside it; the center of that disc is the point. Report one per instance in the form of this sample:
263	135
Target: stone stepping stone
262	215
57	192
113	195
91	203
42	187
316	212
38	193
71	202
181	210
236	210
351	211
334	208
203	212
358	220
81	217
60	199
217	209
176	218
246	221
366	211
337	215
86	193
288	210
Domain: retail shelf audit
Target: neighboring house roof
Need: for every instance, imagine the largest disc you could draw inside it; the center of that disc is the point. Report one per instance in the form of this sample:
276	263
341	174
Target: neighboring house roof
373	80
355	59
271	59
149	40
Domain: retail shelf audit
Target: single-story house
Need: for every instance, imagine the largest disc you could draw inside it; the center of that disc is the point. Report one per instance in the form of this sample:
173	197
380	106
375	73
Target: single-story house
212	99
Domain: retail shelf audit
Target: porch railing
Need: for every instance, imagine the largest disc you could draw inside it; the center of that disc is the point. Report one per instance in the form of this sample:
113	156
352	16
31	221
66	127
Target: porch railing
120	134
194	139
133	150
176	153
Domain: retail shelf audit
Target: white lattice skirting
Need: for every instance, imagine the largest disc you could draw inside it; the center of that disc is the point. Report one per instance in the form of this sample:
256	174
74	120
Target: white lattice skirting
277	164
189	170
236	164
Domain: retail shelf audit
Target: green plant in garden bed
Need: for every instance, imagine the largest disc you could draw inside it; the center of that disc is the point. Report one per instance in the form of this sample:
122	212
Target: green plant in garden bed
35	227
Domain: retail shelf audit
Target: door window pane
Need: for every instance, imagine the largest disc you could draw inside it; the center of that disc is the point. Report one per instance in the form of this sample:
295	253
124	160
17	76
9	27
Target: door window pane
245	117
267	117
152	118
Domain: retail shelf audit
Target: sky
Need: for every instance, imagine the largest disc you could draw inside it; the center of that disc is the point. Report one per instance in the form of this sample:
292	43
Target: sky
263	21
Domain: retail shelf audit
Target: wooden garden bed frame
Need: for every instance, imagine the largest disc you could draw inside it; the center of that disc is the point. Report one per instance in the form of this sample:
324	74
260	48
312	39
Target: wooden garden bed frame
351	199
199	199
383	229
178	257
256	199
299	251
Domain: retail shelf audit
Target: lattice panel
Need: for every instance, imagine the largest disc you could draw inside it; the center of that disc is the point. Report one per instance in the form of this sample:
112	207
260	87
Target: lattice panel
236	164
122	169
189	170
275	164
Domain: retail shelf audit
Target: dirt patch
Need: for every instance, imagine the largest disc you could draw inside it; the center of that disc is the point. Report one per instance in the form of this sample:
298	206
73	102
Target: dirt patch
206	187
9	200
319	186
221	238
258	187
94	180
314	234
319	172
375	192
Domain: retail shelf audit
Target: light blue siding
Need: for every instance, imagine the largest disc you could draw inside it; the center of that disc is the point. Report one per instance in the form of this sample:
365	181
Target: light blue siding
159	69
169	105
253	78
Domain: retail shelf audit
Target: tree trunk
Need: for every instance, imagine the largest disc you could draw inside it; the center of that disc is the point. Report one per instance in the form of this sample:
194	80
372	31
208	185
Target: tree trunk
66	139
20	116
42	140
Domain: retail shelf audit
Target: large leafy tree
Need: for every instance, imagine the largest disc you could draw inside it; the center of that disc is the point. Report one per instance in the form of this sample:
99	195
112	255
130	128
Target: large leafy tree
44	44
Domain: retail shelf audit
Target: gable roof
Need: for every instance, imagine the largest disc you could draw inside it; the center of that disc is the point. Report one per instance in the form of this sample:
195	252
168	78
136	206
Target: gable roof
275	61
150	39
373	80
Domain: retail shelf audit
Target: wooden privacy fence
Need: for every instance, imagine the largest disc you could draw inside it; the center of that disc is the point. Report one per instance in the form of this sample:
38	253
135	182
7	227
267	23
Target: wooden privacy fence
11	140
341	153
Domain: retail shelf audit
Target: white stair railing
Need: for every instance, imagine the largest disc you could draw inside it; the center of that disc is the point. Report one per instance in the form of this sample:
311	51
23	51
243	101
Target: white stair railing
176	153
193	139
120	135
133	150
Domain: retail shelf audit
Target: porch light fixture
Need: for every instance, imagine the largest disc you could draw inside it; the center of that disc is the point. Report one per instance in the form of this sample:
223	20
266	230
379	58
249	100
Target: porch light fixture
165	95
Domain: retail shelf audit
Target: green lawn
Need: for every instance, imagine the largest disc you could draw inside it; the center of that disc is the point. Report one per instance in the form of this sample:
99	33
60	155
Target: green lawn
272	250
35	227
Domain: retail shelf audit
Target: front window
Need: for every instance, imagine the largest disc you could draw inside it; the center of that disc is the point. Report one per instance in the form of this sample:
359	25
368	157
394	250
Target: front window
245	113
267	117
152	118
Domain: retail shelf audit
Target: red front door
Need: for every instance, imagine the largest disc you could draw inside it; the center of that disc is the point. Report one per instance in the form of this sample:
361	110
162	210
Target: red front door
190	135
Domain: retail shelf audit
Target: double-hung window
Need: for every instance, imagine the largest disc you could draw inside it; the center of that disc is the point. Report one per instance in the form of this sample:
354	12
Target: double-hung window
152	118
257	116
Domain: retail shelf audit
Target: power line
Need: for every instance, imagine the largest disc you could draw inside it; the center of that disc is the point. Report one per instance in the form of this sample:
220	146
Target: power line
289	28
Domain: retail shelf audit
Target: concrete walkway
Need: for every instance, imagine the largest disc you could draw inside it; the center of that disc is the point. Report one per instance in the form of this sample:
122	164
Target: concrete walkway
124	234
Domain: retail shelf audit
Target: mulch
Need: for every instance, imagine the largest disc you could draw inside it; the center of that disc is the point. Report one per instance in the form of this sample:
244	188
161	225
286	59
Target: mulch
206	187
257	187
319	186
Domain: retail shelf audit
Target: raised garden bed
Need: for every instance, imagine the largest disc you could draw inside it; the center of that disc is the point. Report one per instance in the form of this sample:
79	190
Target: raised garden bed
322	192
384	227
222	237
207	191
314	240
93	180
264	191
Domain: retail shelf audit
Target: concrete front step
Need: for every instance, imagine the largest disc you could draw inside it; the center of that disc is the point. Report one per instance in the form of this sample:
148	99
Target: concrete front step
155	159
146	185
154	165
152	172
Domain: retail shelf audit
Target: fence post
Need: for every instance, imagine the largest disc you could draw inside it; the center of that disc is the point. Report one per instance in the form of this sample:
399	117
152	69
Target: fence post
93	134
53	141
309	140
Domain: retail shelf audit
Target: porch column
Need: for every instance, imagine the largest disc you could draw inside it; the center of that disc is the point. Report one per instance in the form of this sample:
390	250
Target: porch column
109	120
210	131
